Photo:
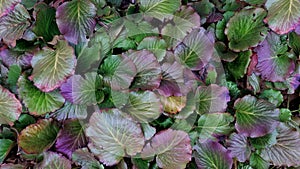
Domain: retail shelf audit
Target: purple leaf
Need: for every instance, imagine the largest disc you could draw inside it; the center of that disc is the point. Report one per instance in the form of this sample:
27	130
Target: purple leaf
211	154
273	62
71	137
75	20
10	57
53	160
171	147
7	5
239	147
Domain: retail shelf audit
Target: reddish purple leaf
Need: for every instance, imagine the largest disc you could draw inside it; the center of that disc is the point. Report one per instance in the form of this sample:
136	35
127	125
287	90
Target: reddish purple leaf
239	147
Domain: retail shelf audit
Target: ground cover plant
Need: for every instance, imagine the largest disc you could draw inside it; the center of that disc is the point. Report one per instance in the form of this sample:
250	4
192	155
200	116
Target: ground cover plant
149	84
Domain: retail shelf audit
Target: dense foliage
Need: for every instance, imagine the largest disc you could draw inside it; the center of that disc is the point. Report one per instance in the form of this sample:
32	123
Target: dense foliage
149	84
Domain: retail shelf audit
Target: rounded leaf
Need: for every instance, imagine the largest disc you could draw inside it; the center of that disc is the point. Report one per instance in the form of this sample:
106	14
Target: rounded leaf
53	160
5	146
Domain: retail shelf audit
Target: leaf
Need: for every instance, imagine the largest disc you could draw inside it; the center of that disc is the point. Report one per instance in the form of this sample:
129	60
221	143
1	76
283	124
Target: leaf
53	160
255	117
159	6
143	106
172	80
171	147
274	63
257	161
283	15
239	147
285	115
71	137
13	74
286	151
214	124
112	135
39	137
211	99
148	130
212	155
246	29
5	147
38	102
294	42
154	44
24	121
13	25
75	20
51	67
221	25
118	71
10	57
238	68
86	159
148	75
7	5
264	141
45	25
71	111
196	49
10	107
84	91
173	104
273	96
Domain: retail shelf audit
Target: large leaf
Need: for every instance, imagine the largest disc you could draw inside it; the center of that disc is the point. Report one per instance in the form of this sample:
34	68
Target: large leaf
239	147
86	159
14	24
214	124
274	63
286	151
75	20
37	138
160	6
118	71
283	15
51	67
71	137
45	24
5	147
148	70
38	102
255	117
143	106
54	161
246	29
211	154
211	99
171	147
113	136
196	49
79	90
10	107
7	5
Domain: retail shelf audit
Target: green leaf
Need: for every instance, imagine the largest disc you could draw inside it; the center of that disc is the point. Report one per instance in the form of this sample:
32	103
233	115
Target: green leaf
264	141
10	107
29	4
283	15
221	25
160	6
246	29
214	124
285	115
238	68
113	135
13	74
294	42
257	161
54	161
5	147
255	117
38	137
51	67
86	159
24	121
38	102
14	24
75	20
45	25
273	96
286	151
154	44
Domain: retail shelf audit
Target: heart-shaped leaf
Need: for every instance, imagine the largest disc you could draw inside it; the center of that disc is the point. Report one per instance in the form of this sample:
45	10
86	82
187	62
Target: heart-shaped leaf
38	102
211	154
37	138
255	117
71	137
10	107
13	25
211	99
172	149
283	15
239	147
5	146
53	160
246	29
75	20
113	136
51	67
